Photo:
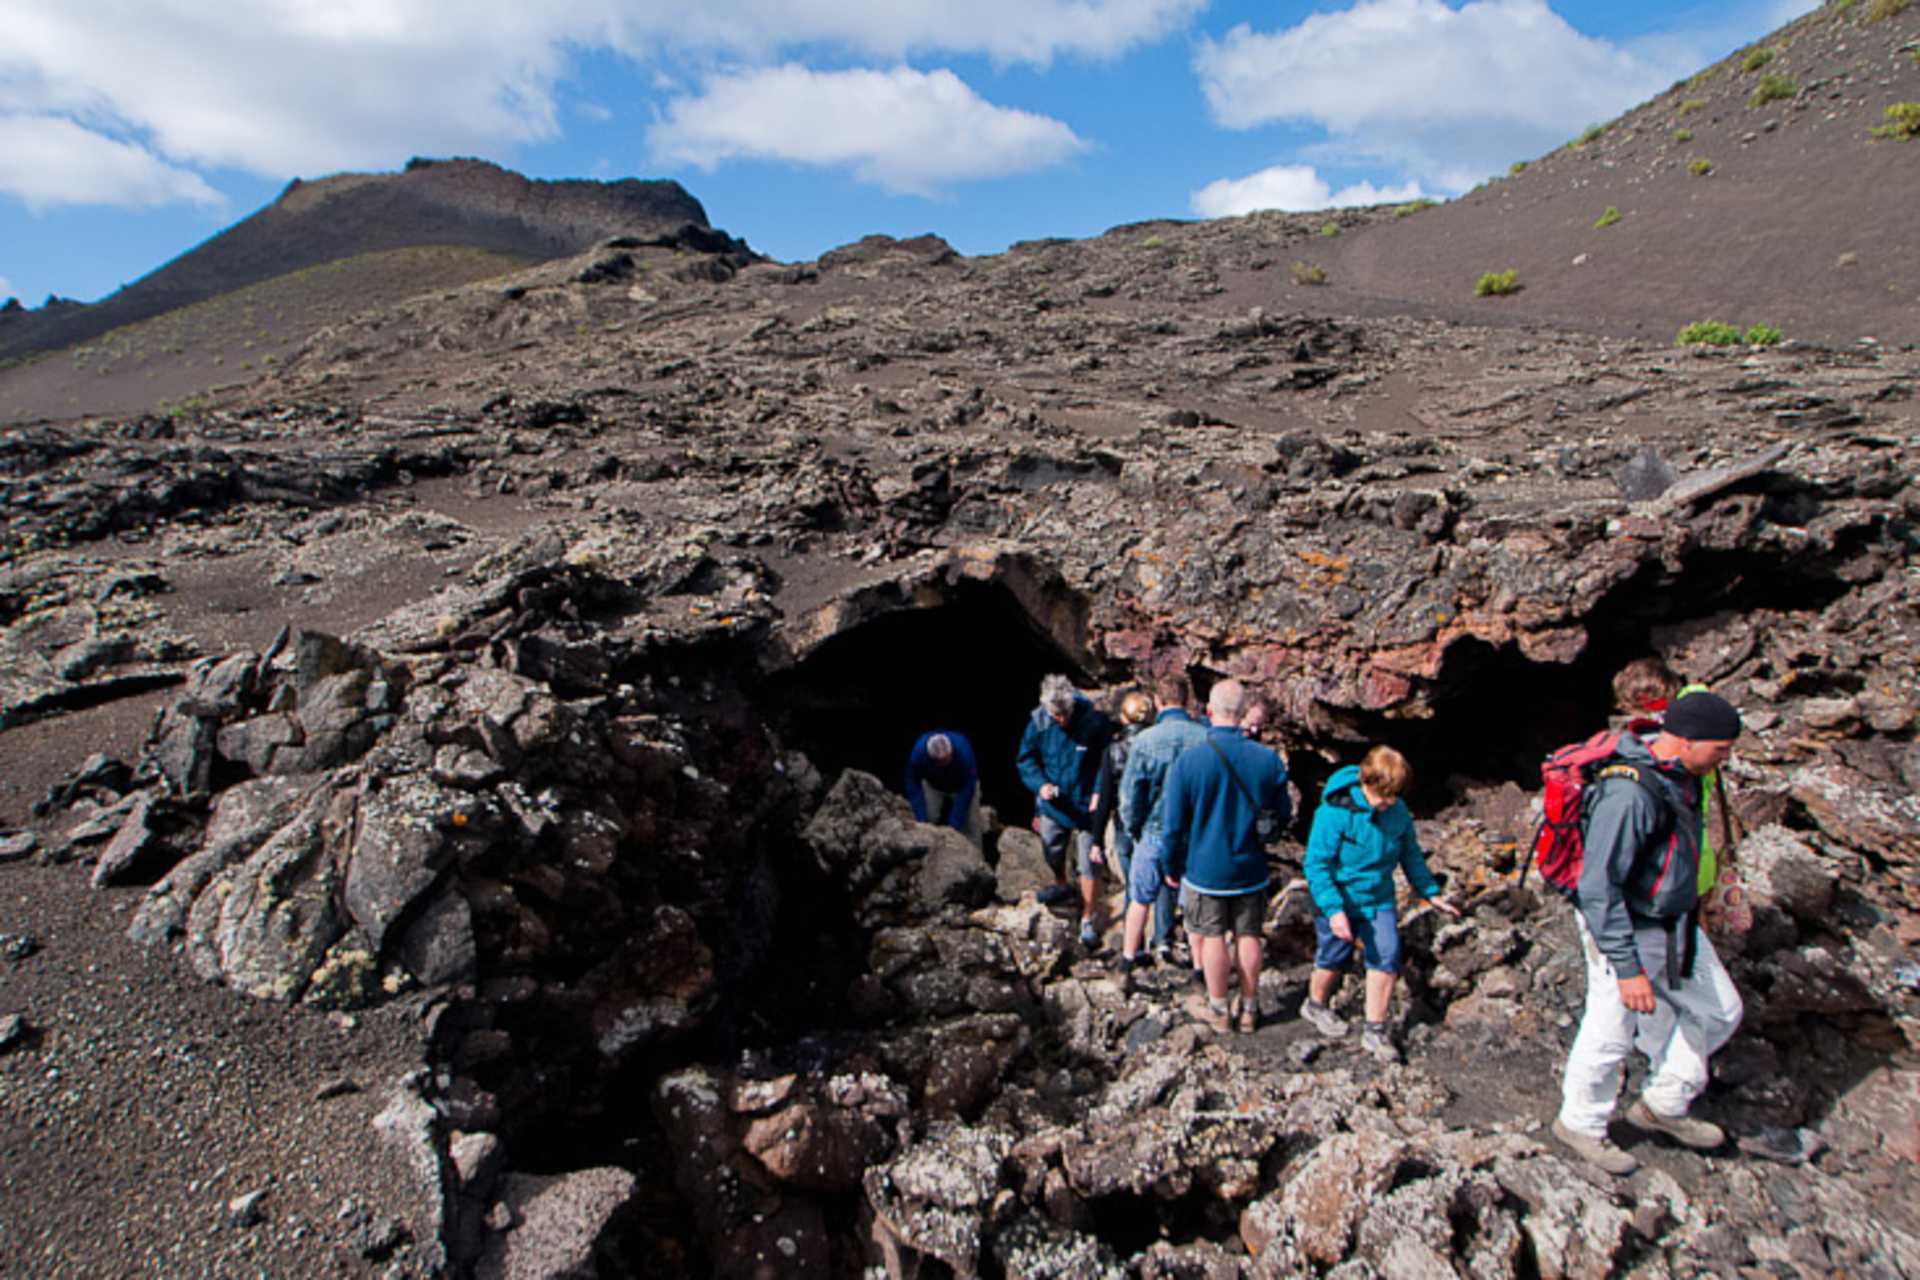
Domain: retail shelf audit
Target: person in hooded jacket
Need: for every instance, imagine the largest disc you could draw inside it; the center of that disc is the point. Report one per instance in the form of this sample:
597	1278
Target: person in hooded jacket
1059	761
1362	832
1653	978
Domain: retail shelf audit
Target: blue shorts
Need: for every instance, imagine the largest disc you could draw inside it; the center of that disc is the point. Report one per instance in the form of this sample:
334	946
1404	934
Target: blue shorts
1378	933
1145	881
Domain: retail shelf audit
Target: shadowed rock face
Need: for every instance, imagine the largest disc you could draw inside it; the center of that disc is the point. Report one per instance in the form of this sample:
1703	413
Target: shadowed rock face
612	586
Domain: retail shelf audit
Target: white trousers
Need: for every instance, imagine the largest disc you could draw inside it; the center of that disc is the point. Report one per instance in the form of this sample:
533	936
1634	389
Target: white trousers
1688	1025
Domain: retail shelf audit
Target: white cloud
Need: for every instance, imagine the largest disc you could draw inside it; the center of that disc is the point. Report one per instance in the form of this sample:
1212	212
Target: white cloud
1450	95
1292	187
46	161
283	87
905	130
6	288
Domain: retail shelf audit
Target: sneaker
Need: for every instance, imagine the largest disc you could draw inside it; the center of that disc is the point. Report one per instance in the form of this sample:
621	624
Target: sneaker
1701	1135
1213	1019
1323	1019
1089	936
1164	953
1053	895
1598	1152
1376	1041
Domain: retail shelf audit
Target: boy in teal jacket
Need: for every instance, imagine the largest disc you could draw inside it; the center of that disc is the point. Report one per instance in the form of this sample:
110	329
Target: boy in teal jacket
1361	832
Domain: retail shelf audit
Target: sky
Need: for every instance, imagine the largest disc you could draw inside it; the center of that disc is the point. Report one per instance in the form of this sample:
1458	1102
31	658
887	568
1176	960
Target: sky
132	130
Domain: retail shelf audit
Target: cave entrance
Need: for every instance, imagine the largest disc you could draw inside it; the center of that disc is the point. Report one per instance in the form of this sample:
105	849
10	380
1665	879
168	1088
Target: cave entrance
971	663
1497	713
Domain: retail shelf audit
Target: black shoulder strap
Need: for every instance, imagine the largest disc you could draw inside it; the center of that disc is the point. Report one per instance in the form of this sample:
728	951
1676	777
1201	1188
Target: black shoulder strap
1245	790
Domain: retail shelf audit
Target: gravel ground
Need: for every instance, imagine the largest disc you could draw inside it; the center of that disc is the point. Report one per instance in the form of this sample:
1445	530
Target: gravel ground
137	1104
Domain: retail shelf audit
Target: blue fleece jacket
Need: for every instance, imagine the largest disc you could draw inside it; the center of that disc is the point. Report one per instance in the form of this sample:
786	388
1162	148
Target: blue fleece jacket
958	775
1068	757
1145	778
1352	850
1212	822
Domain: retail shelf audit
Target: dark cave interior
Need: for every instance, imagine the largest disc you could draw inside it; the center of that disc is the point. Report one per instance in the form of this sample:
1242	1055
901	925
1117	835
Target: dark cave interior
972	664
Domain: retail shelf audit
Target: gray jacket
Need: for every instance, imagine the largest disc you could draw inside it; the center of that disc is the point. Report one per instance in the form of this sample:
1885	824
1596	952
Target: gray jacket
1642	860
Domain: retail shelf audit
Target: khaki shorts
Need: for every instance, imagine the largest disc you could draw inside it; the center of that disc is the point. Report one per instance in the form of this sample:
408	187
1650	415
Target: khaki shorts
1213	916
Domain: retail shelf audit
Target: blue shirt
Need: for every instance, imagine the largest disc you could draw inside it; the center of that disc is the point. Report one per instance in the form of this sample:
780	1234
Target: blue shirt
958	775
1145	777
1212	815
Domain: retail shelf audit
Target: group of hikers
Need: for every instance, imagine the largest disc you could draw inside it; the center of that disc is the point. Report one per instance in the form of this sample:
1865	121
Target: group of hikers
1180	811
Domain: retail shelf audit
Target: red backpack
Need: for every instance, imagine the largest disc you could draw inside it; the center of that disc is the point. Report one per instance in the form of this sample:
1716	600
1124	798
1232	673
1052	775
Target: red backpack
1559	846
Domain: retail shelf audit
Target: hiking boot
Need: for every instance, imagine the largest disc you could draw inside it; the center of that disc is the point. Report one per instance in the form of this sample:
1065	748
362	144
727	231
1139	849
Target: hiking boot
1217	1020
1598	1152
1683	1129
1126	966
1053	895
1163	953
1323	1019
1375	1040
1247	1021
1089	936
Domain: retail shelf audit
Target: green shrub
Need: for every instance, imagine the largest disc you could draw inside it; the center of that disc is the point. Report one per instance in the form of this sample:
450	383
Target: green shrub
1691	105
1516	168
1308	273
1683	135
1699	168
1607	219
1903	121
1413	206
1763	335
1772	88
1841	6
1757	59
1494	284
1708	333
1881	10
1152	242
1589	134
1330	229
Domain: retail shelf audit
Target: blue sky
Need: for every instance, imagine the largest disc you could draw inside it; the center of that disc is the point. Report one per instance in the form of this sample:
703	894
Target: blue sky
131	130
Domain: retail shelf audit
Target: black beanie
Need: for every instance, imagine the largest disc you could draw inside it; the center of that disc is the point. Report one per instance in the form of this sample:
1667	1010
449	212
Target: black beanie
1702	717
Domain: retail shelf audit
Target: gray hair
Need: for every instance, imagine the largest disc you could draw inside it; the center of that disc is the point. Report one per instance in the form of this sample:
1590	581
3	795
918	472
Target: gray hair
1057	693
940	747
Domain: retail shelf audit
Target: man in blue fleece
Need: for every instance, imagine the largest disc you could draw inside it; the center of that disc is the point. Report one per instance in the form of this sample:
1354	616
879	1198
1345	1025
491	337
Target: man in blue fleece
1362	832
943	782
1060	754
1215	794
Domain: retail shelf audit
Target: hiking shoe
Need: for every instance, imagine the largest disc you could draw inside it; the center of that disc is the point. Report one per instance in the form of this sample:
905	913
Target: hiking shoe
1218	1020
1053	895
1164	953
1377	1042
1089	936
1248	1020
1701	1135
1598	1152
1323	1019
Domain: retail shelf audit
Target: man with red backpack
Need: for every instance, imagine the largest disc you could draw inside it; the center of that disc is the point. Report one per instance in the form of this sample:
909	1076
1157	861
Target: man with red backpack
1653	979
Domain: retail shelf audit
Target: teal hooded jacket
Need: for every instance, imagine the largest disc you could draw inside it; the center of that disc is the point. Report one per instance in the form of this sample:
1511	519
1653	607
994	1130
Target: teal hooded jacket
1352	851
